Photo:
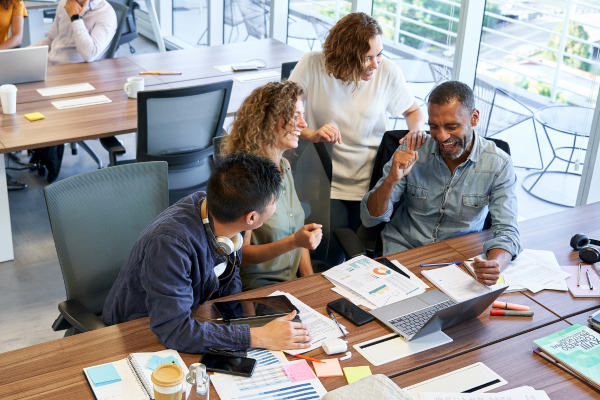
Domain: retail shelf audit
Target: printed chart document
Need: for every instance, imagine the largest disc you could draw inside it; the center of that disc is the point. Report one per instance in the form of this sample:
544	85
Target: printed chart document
320	327
81	102
54	91
372	281
456	283
269	382
266	357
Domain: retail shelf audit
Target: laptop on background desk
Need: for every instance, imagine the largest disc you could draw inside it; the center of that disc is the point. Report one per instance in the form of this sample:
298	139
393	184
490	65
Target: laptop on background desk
23	65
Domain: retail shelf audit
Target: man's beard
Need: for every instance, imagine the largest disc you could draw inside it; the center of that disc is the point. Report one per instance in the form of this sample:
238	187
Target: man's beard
461	148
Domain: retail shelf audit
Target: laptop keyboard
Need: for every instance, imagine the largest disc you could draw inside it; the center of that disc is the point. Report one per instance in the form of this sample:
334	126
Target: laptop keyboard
413	322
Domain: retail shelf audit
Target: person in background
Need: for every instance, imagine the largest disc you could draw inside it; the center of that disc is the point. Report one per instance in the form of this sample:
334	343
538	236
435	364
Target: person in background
268	124
81	32
12	17
190	254
448	186
350	92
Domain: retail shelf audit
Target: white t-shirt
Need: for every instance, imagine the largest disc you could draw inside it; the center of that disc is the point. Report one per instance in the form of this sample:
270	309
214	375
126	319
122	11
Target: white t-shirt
362	117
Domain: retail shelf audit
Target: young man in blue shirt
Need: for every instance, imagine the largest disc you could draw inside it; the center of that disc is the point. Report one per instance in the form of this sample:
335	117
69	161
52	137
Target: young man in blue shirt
190	254
447	186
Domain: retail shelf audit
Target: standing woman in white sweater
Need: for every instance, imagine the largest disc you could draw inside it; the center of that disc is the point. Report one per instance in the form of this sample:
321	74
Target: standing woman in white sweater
350	92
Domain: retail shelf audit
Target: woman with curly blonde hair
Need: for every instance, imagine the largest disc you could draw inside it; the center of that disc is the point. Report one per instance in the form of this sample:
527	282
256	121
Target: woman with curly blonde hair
350	92
268	124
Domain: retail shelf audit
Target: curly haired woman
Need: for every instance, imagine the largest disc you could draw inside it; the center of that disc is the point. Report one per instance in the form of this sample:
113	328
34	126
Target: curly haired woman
268	124
350	92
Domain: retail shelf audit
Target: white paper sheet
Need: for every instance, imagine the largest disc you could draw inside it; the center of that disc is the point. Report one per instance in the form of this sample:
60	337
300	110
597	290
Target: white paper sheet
271	75
266	383
529	392
535	277
456	283
57	90
354	298
81	102
392	347
320	327
471	396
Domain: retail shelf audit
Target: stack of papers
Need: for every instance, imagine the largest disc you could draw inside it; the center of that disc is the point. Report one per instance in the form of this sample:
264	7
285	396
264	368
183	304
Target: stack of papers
534	270
456	283
522	393
373	282
320	327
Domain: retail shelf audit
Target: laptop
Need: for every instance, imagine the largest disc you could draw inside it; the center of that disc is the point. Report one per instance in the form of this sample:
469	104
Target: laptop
23	65
431	311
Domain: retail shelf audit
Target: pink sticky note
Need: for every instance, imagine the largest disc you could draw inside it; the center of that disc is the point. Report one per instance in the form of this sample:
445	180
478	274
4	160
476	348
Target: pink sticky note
299	371
330	367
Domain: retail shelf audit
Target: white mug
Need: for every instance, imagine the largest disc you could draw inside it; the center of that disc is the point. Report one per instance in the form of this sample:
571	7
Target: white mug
133	86
8	97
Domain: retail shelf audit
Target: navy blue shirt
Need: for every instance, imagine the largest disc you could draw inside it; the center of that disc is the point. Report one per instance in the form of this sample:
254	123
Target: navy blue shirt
170	271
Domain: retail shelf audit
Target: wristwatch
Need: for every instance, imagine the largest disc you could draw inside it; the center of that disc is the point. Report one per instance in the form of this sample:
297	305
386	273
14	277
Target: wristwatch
75	17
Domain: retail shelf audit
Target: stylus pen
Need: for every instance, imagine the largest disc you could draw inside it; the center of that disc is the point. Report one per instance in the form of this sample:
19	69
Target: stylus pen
579	275
587	272
336	321
440	264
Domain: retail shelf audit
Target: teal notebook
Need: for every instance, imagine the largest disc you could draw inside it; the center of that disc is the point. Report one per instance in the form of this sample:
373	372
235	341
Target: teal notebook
576	348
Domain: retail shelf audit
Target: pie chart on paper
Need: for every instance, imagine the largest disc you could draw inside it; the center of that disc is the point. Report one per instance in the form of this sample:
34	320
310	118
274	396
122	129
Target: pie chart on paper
381	271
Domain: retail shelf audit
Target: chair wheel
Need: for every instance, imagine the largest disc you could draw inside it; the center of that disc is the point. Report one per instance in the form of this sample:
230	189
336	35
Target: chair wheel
132	50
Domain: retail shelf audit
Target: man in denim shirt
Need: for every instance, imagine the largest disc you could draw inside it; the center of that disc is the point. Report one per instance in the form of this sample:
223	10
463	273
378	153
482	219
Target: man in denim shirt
447	186
175	265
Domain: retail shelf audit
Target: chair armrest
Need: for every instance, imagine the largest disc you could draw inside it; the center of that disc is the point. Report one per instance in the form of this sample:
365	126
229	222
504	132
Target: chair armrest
350	243
113	145
79	316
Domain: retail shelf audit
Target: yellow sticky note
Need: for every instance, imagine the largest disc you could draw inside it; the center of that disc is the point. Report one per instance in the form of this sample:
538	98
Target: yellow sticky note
329	367
34	116
354	374
501	279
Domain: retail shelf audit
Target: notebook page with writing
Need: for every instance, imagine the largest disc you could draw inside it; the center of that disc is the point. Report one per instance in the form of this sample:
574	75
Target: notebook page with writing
129	388
456	283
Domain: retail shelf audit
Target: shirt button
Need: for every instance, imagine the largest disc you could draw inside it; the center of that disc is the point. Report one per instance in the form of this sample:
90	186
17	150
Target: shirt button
291	257
291	215
283	192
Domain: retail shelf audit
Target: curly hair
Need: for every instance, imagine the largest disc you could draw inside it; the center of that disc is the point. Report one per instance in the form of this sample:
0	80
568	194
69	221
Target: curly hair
255	126
7	3
346	47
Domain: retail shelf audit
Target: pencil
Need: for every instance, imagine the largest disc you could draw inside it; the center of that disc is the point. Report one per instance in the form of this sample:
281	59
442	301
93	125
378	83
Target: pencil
307	358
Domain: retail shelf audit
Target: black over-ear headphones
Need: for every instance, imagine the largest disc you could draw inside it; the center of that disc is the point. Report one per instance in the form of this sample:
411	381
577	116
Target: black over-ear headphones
587	253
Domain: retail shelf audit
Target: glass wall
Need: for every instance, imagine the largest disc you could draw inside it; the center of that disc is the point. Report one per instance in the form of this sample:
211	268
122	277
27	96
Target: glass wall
190	21
536	88
245	20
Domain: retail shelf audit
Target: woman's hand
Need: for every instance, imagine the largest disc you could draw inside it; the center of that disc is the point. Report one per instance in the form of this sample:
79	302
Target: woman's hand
309	236
414	139
327	133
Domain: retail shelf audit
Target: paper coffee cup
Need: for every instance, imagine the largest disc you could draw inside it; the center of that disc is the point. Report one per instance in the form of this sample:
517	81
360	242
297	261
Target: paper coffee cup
168	382
8	98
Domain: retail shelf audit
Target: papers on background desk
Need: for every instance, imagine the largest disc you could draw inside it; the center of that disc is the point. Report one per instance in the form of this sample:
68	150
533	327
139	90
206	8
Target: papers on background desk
81	102
534	270
372	281
320	327
271	75
227	68
521	393
57	90
269	382
392	347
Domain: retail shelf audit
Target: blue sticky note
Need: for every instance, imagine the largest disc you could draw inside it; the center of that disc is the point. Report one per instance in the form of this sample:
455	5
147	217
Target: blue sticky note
155	361
103	375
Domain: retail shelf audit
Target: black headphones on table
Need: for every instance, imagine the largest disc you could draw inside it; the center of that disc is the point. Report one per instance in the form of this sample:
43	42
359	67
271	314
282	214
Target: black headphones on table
587	253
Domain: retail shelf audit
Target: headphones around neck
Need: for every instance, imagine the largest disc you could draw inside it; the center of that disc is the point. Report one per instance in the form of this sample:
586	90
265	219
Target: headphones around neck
587	253
224	245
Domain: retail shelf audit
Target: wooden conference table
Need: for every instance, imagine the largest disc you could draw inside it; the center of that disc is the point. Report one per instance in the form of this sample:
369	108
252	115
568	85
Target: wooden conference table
120	116
54	369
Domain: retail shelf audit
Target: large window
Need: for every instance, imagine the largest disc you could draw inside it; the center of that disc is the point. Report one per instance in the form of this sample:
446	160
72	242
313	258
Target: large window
536	88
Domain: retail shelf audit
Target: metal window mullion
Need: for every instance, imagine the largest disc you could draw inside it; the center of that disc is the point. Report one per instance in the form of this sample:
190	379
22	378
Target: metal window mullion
468	41
215	22
279	20
561	50
365	6
589	164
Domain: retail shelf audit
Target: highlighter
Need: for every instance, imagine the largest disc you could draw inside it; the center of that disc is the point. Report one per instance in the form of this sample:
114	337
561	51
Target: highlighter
509	313
509	306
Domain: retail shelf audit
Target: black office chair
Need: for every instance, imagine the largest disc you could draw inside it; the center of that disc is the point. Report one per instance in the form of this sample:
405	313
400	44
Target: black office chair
178	126
96	218
286	69
367	241
129	30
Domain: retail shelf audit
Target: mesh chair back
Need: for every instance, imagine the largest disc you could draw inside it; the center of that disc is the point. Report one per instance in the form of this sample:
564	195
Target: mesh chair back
255	17
178	126
121	12
129	30
96	217
231	14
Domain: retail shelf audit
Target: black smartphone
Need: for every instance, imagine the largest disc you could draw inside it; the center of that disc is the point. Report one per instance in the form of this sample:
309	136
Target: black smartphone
240	366
350	311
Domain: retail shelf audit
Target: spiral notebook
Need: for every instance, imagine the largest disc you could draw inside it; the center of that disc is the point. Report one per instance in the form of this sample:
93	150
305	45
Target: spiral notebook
130	379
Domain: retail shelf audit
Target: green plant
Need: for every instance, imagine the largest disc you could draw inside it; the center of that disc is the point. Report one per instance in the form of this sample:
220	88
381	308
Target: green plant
571	46
534	86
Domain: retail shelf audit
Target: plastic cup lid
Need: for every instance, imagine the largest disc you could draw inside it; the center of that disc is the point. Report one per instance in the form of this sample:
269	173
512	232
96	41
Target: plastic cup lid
8	88
167	375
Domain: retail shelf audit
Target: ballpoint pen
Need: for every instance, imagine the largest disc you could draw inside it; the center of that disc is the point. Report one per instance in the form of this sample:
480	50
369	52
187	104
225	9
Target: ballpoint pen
307	358
441	264
579	275
587	272
336	321
160	73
